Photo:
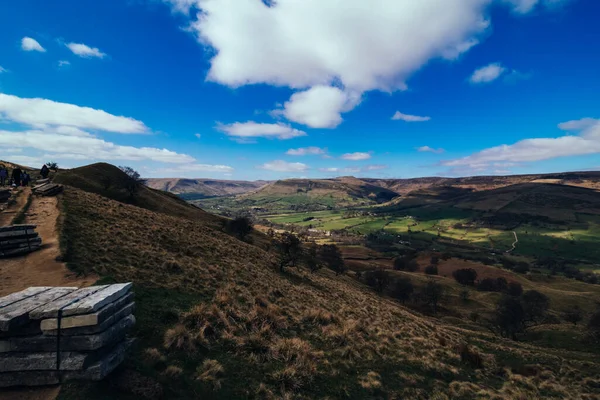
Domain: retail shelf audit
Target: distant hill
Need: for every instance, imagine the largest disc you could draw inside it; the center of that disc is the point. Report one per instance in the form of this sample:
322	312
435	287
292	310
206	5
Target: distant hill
104	179
315	194
193	189
588	179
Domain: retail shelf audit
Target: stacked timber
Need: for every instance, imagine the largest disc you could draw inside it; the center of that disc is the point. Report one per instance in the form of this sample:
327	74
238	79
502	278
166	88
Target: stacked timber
18	239
4	195
47	189
50	335
42	181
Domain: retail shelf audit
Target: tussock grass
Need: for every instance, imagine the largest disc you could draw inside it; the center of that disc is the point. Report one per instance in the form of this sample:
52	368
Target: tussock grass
216	320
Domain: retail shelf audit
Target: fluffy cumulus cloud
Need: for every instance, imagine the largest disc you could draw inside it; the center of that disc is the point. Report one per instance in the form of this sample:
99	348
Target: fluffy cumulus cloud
30	44
306	151
358	156
88	148
487	74
283	166
586	141
60	129
427	149
329	51
250	130
398	116
41	113
85	51
320	106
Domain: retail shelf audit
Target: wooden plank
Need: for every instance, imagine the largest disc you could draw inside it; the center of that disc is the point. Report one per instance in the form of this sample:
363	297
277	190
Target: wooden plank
29	378
19	251
17	227
51	309
69	361
101	369
23	294
98	300
17	314
91	330
13	234
35	242
95	372
18	241
96	318
109	337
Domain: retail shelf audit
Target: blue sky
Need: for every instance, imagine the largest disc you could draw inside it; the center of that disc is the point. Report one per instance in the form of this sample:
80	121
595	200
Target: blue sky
245	89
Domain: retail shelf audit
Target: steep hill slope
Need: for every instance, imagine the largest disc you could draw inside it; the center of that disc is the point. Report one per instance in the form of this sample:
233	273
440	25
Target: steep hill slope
106	179
216	320
192	189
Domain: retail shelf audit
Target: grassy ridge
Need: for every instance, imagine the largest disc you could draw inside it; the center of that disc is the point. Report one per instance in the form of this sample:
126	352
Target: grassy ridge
216	320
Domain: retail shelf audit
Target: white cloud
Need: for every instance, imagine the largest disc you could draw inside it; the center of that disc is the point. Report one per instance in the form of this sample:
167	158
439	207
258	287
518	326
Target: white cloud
2	70
427	149
526	6
85	51
329	169
374	167
409	118
198	135
12	150
29	44
320	106
27	161
90	148
487	74
283	166
538	149
191	169
578	124
42	112
63	63
250	129
356	156
305	151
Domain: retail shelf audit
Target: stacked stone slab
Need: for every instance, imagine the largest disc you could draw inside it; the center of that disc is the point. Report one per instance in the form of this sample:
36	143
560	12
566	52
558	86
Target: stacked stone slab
47	189
50	335
4	195
18	239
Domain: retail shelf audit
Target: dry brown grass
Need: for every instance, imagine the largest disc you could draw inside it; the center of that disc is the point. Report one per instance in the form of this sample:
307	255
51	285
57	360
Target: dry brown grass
262	334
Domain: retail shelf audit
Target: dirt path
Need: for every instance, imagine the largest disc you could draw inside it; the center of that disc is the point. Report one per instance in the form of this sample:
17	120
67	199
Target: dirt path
514	245
7	215
40	268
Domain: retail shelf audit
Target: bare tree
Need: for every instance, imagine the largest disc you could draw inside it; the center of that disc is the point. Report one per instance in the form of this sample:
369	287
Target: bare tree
132	180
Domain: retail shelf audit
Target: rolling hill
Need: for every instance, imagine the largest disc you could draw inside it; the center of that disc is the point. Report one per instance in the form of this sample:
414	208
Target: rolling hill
217	320
193	189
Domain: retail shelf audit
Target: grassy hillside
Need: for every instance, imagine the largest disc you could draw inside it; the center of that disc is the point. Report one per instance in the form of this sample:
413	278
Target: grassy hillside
215	320
106	179
306	195
194	189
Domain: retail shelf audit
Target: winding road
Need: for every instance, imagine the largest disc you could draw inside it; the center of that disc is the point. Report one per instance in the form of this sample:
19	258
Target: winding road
514	245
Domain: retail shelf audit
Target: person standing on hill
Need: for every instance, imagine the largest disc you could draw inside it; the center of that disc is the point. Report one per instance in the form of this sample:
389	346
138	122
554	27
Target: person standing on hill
3	175
44	171
16	176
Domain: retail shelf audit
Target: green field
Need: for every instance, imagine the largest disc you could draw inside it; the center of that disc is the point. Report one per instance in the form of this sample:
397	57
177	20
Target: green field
573	241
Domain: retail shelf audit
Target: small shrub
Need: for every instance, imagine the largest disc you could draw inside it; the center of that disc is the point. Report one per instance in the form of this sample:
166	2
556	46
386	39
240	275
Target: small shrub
210	372
465	276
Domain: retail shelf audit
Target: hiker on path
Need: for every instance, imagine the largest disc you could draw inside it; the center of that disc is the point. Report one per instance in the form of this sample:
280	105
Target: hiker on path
45	171
16	176
3	175
25	179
